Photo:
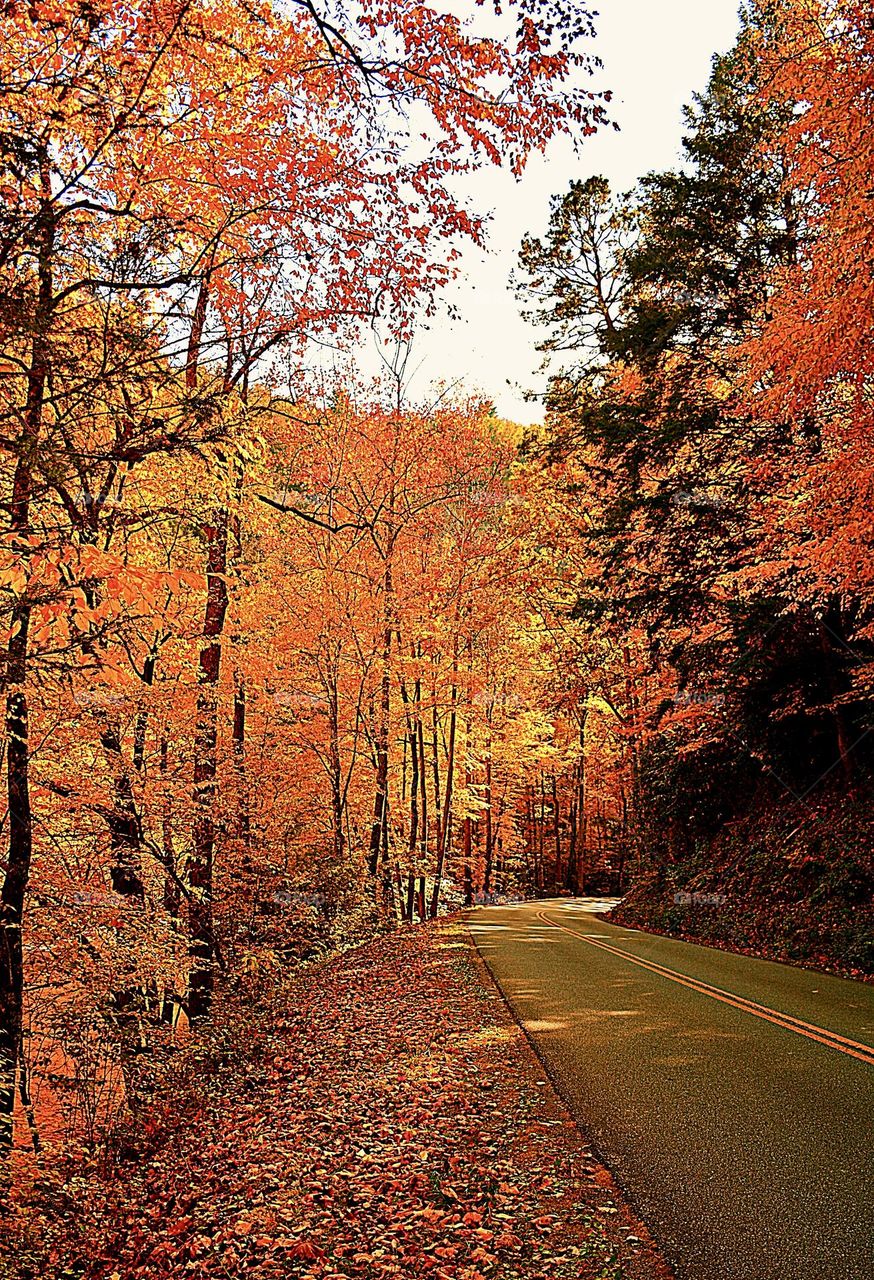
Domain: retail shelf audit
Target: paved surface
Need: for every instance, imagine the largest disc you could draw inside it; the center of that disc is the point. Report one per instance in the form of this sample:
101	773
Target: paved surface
732	1098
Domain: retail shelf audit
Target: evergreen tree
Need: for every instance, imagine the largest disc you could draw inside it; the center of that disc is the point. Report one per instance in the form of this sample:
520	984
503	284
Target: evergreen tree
652	296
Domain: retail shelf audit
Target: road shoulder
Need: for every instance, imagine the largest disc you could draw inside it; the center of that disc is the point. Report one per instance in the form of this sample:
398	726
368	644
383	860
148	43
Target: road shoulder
379	1115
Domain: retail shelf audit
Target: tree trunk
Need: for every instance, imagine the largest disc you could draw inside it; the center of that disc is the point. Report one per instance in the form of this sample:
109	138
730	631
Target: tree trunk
582	828
442	834
414	794
200	863
238	736
489	852
570	879
557	832
436	766
336	768
634	808
467	836
423	781
380	802
125	871
541	837
172	892
142	720
239	752
20	819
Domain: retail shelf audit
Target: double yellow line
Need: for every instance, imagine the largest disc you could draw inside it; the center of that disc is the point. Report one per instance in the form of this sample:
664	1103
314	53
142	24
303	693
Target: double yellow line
828	1038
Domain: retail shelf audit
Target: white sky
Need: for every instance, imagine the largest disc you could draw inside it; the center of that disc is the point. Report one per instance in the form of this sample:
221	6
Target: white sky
656	54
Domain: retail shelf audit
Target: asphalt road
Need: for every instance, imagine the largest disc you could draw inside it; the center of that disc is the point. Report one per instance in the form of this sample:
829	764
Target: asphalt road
732	1098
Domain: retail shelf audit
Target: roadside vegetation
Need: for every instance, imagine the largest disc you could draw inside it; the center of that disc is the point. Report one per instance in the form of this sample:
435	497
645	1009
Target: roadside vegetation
292	663
707	484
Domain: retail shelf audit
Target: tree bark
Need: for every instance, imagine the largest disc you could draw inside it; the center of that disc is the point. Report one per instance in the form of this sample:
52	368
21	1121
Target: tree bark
423	781
582	828
336	767
142	720
413	740
442	834
20	848
634	814
200	863
380	802
238	740
557	831
172	892
489	849
125	871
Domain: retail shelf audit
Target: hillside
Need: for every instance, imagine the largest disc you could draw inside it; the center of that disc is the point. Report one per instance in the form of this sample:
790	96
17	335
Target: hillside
782	884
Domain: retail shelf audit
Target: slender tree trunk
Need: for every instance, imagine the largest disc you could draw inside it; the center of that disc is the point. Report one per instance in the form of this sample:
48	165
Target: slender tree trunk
388	886
442	834
530	838
634	808
129	999
170	1002
172	892
570	875
238	741
200	864
489	849
195	338
122	818
380	803
467	826
238	734
556	831
413	740
467	830
436	762
336	768
20	821
582	828
142	720
541	838
125	871
423	781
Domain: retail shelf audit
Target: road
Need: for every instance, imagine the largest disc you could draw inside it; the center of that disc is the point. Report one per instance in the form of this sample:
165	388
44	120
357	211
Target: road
732	1098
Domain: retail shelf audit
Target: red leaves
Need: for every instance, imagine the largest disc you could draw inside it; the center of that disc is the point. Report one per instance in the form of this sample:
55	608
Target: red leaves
304	1249
393	1164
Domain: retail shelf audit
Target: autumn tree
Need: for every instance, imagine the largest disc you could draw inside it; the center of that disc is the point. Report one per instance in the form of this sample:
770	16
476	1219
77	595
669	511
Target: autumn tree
680	431
189	192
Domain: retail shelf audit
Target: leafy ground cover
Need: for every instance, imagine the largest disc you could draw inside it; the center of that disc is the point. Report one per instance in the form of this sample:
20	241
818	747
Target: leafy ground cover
801	892
378	1115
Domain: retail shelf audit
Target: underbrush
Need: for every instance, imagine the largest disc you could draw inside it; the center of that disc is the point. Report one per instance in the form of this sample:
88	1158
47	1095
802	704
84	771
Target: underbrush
798	890
376	1114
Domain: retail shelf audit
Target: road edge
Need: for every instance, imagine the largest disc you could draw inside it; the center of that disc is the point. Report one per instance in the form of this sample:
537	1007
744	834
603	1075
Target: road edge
630	1212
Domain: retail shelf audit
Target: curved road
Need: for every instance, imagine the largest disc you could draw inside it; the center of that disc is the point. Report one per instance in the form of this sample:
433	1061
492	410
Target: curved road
733	1098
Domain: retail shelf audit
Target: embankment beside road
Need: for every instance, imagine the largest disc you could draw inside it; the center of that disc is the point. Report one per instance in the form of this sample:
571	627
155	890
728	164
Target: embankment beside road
791	884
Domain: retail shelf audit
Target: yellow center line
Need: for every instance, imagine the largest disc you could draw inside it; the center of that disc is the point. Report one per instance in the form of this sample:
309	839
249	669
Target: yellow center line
828	1038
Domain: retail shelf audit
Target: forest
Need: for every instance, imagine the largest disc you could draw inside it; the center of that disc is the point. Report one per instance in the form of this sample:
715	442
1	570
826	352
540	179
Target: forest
291	659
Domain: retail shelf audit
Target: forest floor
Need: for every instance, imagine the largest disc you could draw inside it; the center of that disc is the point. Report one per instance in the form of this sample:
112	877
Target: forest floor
380	1114
773	886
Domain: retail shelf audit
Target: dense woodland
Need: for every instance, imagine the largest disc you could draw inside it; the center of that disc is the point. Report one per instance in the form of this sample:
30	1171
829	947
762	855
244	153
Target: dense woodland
289	658
708	447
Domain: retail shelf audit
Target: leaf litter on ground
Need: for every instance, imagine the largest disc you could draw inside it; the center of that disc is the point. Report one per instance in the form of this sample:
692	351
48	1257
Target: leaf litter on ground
380	1114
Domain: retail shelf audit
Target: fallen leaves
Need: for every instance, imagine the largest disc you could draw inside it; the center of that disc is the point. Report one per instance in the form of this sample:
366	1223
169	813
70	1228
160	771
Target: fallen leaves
346	1134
